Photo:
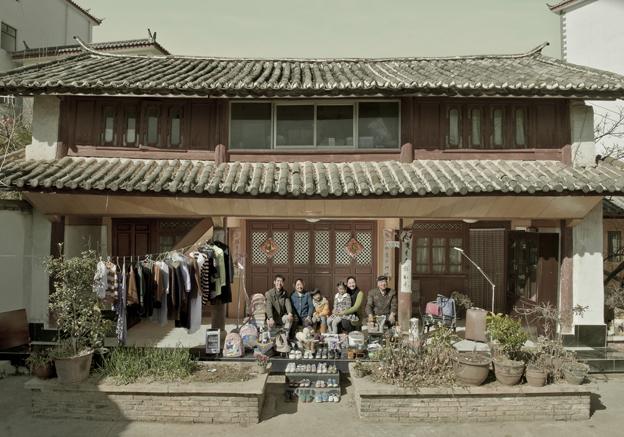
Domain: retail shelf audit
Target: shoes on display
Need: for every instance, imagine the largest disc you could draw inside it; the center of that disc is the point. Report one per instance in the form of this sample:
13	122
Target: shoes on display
313	368
331	354
298	354
318	354
291	354
325	397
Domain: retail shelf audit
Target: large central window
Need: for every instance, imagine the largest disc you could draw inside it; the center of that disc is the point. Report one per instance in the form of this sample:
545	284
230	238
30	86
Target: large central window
331	125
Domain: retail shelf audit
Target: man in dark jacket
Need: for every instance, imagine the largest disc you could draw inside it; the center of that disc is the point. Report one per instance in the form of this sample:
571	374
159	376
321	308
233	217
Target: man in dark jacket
279	310
382	301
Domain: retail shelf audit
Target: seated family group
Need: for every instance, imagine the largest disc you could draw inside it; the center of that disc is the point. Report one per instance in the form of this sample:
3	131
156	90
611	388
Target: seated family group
304	308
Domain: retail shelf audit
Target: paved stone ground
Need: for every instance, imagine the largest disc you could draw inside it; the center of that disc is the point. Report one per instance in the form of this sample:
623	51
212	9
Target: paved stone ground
300	420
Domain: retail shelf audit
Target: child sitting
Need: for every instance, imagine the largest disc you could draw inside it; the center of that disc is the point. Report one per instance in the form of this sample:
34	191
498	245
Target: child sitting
342	302
321	310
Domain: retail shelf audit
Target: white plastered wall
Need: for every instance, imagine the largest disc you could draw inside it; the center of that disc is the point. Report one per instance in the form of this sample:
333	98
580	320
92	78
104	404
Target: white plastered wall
45	127
598	46
587	277
582	126
24	245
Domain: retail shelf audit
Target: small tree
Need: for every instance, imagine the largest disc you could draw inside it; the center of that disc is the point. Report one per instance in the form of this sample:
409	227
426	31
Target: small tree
74	303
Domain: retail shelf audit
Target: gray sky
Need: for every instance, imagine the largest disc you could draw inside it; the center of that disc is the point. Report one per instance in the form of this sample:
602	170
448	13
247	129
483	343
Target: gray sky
331	28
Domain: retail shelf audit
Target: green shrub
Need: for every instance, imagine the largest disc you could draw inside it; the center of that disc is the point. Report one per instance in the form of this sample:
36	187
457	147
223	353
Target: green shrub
508	334
129	364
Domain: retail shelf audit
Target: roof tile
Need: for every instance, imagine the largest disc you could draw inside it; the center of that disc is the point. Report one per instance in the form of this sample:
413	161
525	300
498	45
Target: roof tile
307	179
527	74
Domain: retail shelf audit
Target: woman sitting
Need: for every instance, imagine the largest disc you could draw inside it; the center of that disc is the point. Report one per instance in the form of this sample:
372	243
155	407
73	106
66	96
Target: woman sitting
302	305
357	307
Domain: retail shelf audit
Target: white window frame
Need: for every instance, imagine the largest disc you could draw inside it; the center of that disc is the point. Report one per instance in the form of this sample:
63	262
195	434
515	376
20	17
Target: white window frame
315	102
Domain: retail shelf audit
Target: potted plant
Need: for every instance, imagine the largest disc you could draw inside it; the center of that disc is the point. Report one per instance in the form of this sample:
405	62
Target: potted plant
575	373
462	302
472	368
537	370
509	338
78	314
40	364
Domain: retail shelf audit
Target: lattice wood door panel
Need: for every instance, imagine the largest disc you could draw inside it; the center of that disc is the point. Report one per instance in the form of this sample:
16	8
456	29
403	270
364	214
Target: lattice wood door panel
315	252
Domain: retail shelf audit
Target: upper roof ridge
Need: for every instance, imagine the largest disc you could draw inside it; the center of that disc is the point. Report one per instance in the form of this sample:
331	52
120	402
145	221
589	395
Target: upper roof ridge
533	52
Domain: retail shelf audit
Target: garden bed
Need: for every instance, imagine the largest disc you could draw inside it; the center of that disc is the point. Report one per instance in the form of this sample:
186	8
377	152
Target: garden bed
181	401
493	402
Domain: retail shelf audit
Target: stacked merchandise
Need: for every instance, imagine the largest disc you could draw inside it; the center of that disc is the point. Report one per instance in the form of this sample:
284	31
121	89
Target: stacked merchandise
312	382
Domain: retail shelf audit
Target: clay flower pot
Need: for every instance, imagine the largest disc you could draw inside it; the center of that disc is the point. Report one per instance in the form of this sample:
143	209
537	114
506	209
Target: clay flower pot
508	372
472	368
42	371
575	373
535	376
72	370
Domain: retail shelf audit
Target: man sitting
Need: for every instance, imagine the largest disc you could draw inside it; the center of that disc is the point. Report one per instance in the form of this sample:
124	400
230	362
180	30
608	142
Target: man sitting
279	309
382	301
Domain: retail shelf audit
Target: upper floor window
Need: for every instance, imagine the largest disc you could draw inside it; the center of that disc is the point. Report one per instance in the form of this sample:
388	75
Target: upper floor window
335	124
454	128
475	127
8	38
497	127
250	126
520	127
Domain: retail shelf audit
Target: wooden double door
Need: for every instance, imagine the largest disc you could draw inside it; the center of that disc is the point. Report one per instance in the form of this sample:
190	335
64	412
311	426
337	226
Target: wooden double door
314	252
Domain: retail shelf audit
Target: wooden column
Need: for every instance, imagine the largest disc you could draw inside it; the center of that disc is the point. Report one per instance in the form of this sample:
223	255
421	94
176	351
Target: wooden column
405	281
565	279
218	311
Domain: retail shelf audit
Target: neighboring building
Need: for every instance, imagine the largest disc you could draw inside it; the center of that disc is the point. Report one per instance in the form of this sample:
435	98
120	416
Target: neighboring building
585	43
47	28
330	162
35	23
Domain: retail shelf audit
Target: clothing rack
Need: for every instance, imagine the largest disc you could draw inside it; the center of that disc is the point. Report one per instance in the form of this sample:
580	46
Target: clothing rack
158	256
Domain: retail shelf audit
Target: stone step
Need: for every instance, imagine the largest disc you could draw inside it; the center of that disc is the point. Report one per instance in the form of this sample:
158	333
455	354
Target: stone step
602	360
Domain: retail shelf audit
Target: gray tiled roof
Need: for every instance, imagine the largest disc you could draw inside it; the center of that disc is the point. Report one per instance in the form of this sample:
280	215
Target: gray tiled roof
528	74
308	179
76	48
613	207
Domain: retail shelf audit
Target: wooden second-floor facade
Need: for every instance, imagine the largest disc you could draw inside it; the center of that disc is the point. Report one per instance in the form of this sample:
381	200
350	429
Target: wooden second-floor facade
342	129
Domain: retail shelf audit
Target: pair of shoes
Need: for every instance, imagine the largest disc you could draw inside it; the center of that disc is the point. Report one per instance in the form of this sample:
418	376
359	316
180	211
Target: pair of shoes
313	368
318	398
330	354
334	397
305	383
331	382
291	354
307	355
319	354
320	383
298	354
332	369
291	367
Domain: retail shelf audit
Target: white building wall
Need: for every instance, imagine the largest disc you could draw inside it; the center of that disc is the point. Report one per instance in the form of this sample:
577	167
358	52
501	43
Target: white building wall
24	245
587	288
593	36
45	126
43	23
